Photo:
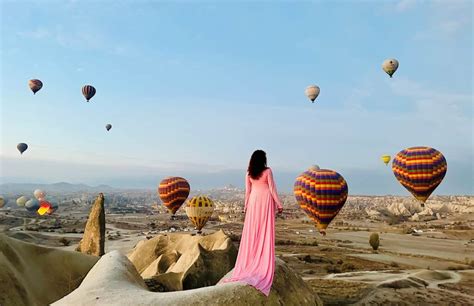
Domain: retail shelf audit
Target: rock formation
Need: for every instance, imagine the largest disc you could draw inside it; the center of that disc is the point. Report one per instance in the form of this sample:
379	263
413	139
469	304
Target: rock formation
35	275
182	261
115	281
93	240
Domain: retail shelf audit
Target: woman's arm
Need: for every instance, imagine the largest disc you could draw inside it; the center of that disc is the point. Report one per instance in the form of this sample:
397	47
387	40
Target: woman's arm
273	190
248	188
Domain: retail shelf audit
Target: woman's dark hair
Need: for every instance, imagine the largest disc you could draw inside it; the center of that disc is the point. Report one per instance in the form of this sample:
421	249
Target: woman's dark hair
257	164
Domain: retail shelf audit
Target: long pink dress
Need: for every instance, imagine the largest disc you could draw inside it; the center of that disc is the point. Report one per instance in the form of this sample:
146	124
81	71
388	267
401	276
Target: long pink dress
256	259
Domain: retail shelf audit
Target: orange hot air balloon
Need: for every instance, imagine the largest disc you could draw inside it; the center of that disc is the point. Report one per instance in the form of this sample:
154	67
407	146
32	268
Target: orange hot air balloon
321	193
173	192
420	170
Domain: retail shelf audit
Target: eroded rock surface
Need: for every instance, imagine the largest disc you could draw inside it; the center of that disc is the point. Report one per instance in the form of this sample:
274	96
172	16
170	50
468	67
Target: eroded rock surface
93	241
35	275
115	281
182	261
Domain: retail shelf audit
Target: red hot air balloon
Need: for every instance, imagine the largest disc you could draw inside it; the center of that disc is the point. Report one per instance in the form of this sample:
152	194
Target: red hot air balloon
88	91
35	85
173	191
321	193
420	170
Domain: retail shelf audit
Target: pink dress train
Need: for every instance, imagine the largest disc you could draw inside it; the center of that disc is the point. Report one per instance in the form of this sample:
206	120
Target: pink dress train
255	263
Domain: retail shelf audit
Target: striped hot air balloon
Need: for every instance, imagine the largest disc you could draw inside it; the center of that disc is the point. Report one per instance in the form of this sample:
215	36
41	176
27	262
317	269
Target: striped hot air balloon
88	91
173	191
321	193
420	170
35	85
199	209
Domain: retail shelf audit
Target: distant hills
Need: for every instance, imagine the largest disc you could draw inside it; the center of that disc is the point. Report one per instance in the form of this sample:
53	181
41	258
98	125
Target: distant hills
61	187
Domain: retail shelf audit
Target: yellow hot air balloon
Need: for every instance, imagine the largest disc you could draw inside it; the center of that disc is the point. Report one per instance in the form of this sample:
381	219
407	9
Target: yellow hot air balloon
386	159
390	66
199	209
2	202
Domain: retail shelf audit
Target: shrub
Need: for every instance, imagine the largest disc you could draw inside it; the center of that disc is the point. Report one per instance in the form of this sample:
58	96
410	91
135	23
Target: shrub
65	241
374	241
332	269
348	266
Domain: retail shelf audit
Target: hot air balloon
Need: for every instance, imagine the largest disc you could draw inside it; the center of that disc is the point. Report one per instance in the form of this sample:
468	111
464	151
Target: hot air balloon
385	159
39	194
390	66
321	194
312	92
22	147
21	201
88	91
314	167
420	170
2	202
173	191
108	127
199	209
44	208
35	85
32	205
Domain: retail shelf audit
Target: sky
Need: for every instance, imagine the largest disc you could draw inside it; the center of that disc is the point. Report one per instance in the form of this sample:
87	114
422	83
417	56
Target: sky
192	88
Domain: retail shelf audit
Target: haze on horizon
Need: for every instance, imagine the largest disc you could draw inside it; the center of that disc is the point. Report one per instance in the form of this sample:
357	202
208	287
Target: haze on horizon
193	89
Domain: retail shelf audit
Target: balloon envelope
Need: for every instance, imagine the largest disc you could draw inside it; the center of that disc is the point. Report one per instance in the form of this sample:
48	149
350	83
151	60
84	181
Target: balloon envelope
21	201
35	85
108	127
420	170
385	159
88	91
44	208
32	205
199	209
390	66
2	202
321	194
173	191
39	194
312	92
22	147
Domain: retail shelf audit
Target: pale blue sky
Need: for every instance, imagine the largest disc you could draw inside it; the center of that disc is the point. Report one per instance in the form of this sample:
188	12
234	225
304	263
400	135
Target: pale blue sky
193	87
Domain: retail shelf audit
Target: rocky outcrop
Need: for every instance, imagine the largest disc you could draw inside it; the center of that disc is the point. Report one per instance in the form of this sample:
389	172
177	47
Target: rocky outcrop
183	261
426	214
93	241
35	275
115	281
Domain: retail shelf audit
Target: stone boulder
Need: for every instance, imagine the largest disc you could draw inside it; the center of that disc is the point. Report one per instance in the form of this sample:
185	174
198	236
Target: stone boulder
36	275
183	261
115	281
93	240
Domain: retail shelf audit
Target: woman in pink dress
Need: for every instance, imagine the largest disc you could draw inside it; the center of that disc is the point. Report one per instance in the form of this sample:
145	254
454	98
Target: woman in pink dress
256	259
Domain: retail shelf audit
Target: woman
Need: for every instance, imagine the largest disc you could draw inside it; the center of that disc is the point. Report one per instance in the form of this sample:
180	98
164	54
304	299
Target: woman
256	259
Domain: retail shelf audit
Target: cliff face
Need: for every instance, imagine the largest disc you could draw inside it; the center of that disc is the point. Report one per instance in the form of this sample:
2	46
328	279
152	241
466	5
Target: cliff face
93	241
